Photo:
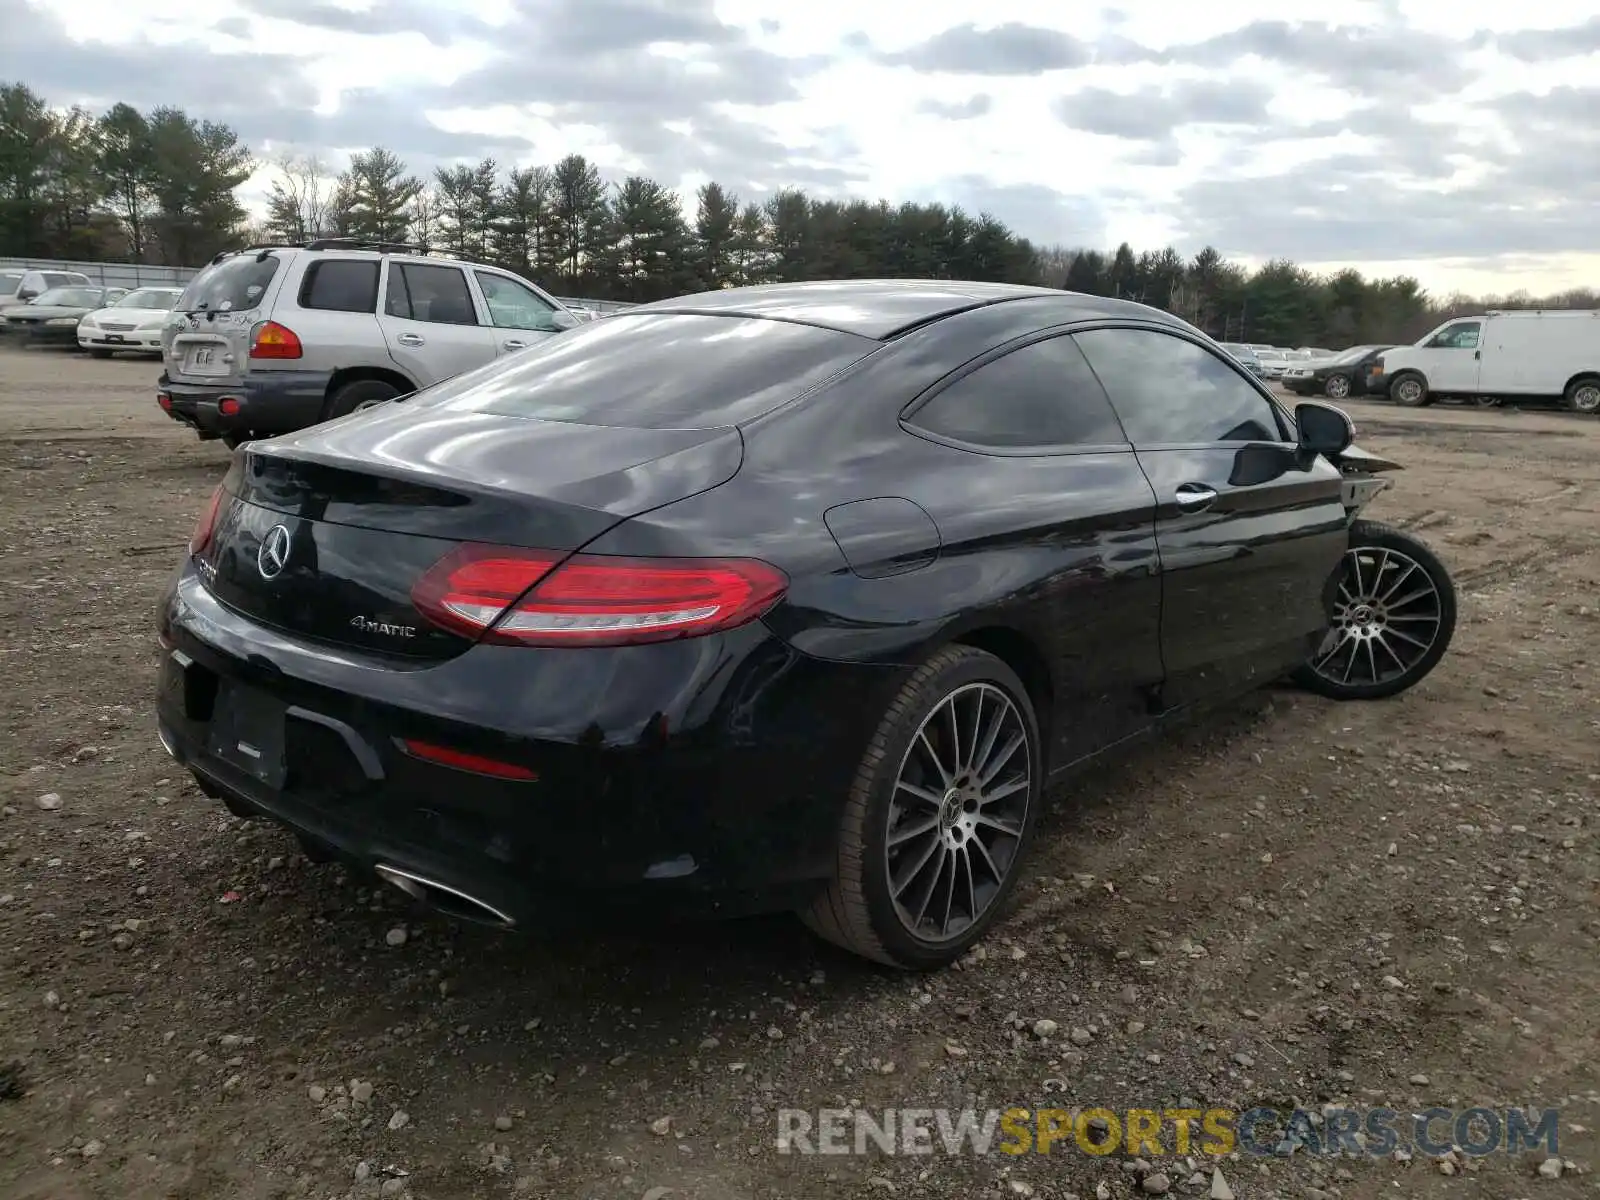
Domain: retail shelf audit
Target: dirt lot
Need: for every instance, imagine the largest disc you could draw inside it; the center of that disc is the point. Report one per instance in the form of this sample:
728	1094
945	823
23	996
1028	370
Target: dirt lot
188	1002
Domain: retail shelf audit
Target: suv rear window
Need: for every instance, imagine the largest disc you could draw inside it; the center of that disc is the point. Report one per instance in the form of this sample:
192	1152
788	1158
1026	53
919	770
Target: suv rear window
340	285
658	371
233	285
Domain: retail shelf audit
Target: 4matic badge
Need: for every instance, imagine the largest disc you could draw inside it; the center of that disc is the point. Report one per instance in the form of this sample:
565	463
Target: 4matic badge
368	625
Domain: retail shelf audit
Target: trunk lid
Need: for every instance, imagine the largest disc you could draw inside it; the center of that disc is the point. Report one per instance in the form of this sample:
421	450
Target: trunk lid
326	532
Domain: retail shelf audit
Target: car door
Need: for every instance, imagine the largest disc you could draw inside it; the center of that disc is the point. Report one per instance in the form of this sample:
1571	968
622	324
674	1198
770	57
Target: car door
1451	358
1249	529
520	316
1035	489
431	323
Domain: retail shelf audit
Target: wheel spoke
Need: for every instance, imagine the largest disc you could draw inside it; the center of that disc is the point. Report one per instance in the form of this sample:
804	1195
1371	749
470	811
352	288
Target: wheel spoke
1011	829
957	763
988	860
906	832
1406	572
992	767
1000	791
1412	598
904	879
964	860
933	757
1406	637
921	793
977	725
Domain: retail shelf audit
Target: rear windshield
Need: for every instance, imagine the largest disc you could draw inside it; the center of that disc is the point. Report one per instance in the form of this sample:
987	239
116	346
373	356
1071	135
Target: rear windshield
232	285
658	371
9	282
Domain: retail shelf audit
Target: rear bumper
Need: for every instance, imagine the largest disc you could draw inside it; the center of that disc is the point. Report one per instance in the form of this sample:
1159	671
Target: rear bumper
691	778
268	403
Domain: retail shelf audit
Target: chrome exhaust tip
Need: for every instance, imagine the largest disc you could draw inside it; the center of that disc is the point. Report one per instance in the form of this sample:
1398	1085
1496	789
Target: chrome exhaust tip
448	900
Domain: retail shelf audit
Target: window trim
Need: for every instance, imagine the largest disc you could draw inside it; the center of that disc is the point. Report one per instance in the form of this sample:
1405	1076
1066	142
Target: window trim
479	293
1286	423
392	264
309	276
909	410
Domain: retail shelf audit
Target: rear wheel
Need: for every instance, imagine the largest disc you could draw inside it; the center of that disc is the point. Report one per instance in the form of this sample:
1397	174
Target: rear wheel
360	394
1392	613
1409	389
1583	395
939	817
1337	387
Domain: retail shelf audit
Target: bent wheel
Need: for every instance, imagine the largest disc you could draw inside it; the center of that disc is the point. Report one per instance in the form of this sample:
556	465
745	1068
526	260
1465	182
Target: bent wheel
1392	610
939	816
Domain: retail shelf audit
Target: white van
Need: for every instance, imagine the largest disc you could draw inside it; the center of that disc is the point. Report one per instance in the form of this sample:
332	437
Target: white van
1552	353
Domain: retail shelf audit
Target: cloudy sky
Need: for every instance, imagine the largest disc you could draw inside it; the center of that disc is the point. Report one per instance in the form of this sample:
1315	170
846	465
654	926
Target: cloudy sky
1457	141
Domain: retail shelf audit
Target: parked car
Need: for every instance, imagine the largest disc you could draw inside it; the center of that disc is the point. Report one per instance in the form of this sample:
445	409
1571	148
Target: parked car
276	338
1529	354
22	287
52	317
1337	375
1274	362
1317	352
791	596
1246	356
132	323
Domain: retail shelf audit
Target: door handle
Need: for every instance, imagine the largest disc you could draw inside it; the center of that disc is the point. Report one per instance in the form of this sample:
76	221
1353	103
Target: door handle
1194	497
410	339
513	344
1477	354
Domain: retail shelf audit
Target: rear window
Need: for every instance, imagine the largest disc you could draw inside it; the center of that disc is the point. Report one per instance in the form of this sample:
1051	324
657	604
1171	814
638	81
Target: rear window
232	285
658	371
9	281
341	285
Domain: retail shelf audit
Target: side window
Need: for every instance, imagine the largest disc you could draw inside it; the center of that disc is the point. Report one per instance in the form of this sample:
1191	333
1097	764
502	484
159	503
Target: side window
340	285
1168	390
1042	395
1458	337
514	306
437	295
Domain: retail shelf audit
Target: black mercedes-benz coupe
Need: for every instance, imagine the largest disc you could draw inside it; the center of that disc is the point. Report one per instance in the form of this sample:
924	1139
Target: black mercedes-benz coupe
784	597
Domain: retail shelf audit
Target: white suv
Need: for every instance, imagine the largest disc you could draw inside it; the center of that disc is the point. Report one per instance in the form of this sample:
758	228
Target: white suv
274	338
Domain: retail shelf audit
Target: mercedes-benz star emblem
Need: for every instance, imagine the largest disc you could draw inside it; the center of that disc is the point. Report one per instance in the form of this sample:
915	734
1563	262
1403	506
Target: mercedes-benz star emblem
273	556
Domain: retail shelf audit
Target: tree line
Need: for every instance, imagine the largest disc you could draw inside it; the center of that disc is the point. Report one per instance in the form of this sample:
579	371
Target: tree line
162	187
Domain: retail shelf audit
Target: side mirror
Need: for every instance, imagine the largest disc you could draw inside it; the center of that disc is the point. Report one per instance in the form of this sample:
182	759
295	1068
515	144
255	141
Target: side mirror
1324	429
562	320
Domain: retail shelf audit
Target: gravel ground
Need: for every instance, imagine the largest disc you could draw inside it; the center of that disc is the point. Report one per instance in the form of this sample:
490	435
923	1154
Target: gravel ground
1295	902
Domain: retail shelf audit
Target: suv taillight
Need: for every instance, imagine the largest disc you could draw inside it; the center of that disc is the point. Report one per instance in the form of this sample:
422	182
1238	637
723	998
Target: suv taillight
201	538
271	340
538	598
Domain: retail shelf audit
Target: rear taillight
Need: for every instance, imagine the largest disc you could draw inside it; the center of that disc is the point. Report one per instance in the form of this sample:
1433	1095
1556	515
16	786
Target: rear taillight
591	599
271	340
165	401
201	538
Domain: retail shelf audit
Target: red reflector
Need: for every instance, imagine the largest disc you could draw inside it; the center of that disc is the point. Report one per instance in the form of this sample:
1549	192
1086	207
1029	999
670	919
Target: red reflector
590	599
164	400
207	524
228	406
462	761
271	340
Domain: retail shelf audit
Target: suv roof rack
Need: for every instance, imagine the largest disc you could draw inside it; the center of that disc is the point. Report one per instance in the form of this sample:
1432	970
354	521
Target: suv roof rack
345	243
259	246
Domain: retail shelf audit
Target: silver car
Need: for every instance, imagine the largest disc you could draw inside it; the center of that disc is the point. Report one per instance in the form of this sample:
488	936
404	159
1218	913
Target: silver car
275	338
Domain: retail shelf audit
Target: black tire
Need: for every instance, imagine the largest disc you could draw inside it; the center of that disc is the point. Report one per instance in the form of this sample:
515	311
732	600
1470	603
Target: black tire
361	393
1583	395
99	352
1393	610
857	910
1337	387
1410	390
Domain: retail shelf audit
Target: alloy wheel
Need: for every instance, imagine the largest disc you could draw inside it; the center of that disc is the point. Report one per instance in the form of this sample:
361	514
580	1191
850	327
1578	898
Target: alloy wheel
1586	398
958	812
1408	391
1338	387
1387	614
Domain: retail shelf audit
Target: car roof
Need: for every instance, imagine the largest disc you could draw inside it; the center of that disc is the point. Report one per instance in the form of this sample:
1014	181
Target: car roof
879	308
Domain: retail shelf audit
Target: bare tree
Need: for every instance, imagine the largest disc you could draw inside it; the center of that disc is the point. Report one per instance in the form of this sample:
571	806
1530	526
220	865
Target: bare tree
300	206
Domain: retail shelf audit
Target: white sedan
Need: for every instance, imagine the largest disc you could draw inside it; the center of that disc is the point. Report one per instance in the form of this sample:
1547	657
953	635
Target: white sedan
132	323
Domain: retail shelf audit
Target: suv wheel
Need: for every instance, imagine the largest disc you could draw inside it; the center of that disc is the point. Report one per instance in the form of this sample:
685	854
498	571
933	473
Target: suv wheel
360	394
